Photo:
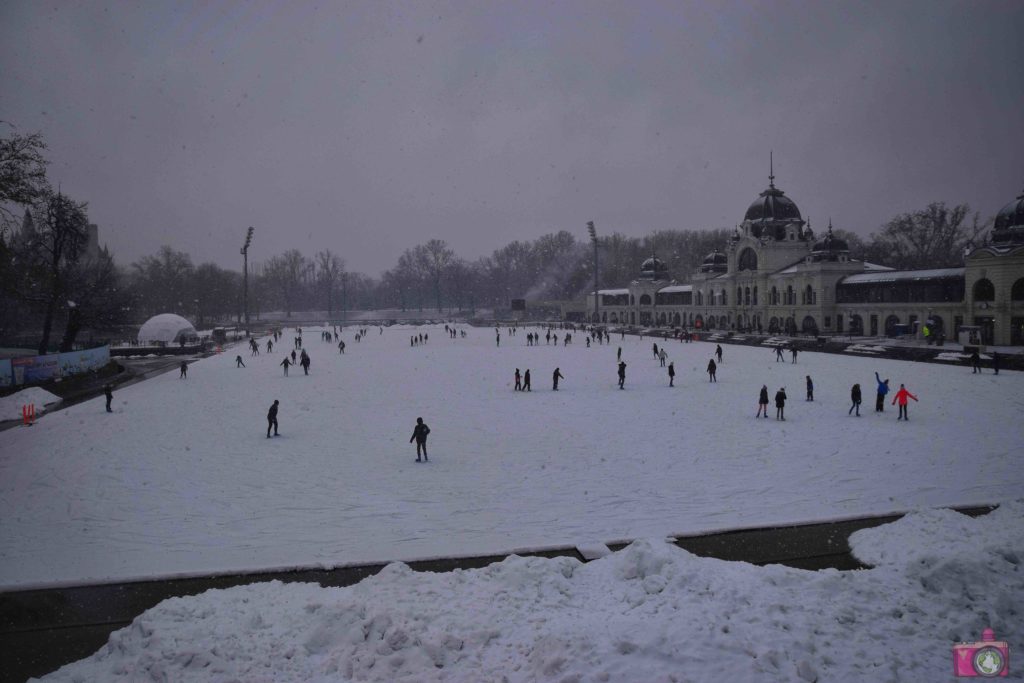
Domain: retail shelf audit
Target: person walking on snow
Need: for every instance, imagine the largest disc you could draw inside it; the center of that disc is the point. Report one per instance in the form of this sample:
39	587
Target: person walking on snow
270	345
778	355
555	376
622	375
419	434
655	348
519	381
663	356
762	402
526	380
341	347
238	362
671	374
285	364
305	362
883	389
855	398
272	415
902	395
780	404
293	356
618	356
718	352
793	351
184	370
108	391
810	389
711	370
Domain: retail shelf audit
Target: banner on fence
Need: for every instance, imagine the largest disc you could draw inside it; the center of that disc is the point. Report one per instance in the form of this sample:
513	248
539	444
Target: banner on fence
33	369
6	376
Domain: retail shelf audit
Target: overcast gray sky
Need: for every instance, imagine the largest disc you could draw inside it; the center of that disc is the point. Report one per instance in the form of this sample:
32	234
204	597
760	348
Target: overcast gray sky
370	127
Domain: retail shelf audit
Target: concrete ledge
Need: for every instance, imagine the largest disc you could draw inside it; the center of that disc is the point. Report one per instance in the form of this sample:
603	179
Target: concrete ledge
42	630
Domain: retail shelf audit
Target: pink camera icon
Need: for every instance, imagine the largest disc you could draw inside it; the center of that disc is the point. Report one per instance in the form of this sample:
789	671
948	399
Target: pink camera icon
986	658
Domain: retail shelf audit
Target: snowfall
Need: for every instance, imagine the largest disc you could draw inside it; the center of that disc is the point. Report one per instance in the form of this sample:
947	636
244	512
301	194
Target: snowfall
181	480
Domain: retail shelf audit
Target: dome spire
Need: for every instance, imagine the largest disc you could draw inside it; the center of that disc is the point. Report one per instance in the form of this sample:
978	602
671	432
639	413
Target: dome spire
771	168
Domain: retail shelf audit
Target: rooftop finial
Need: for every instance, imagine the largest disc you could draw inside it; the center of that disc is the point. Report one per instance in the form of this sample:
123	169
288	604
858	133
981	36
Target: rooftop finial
830	226
771	168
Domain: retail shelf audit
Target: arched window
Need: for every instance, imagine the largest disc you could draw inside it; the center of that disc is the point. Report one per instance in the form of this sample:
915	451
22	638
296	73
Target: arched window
808	295
856	324
984	290
790	296
700	298
739	296
746	296
774	300
1017	291
890	325
809	326
755	295
748	259
645	300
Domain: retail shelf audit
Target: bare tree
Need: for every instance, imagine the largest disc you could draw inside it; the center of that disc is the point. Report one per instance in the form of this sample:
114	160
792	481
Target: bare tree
22	174
60	233
287	272
433	258
330	269
165	281
100	297
932	237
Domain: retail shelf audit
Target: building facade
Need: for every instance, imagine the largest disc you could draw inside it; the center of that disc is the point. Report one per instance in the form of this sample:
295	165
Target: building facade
775	276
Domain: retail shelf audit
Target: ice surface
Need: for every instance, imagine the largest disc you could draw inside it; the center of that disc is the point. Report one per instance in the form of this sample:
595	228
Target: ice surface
651	612
181	479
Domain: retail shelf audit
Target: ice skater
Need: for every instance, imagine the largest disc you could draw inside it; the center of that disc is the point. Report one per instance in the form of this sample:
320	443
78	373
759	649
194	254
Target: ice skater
718	352
975	362
526	380
270	345
711	370
618	357
622	375
810	389
883	389
341	347
555	376
108	391
778	355
286	364
762	402
901	396
184	370
855	399
419	434
305	362
663	356
238	362
272	415
519	381
780	404
671	374
793	351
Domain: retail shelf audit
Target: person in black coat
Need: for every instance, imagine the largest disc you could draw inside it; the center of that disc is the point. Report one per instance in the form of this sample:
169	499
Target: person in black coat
780	404
671	374
555	376
975	362
622	374
526	380
285	364
419	434
762	402
184	370
855	398
272	418
238	362
718	352
108	391
810	389
711	370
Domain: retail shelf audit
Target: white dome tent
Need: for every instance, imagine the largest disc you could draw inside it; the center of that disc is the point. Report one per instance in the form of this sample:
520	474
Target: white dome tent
166	328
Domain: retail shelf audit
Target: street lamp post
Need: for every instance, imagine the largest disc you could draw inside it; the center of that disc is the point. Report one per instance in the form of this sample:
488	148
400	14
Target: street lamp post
245	276
593	238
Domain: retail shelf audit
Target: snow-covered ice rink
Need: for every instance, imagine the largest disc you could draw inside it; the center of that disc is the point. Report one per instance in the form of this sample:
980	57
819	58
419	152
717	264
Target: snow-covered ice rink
180	479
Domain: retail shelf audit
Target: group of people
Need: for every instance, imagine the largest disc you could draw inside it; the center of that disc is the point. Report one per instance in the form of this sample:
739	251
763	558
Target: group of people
522	381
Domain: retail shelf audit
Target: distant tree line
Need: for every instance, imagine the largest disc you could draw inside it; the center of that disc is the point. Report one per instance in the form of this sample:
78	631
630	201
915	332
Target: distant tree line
53	288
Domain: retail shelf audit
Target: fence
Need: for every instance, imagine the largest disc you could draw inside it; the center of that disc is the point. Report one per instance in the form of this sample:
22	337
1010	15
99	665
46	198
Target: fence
35	369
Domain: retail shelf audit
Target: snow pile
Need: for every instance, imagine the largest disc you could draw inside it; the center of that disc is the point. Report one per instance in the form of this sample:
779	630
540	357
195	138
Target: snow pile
864	348
651	612
10	406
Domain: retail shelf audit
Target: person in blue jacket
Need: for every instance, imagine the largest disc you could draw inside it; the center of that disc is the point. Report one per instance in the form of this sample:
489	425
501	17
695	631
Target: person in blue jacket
883	389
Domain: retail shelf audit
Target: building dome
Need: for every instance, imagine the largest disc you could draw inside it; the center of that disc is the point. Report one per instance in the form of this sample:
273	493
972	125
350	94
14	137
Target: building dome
1009	225
653	269
773	205
715	262
830	248
166	328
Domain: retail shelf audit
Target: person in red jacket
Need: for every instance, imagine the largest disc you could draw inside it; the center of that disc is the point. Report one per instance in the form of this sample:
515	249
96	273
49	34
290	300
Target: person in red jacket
901	396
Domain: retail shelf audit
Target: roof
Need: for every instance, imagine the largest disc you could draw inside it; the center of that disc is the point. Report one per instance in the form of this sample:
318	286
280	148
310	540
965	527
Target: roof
675	288
904	275
613	292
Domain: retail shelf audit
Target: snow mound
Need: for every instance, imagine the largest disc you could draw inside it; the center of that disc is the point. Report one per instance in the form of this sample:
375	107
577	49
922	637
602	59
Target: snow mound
10	406
650	612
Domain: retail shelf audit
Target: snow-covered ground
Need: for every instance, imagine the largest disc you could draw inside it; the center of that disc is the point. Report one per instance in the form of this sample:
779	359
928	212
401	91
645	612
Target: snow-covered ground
180	479
651	612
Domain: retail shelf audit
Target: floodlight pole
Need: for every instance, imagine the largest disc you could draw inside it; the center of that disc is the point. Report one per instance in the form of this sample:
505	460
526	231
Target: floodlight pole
245	276
593	238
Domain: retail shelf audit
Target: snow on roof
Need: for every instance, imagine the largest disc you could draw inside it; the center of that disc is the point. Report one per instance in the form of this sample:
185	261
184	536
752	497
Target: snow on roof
613	292
875	266
904	275
675	288
167	328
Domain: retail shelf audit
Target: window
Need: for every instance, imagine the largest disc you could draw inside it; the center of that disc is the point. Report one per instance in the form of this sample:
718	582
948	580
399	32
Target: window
755	295
1017	291
645	300
984	290
748	259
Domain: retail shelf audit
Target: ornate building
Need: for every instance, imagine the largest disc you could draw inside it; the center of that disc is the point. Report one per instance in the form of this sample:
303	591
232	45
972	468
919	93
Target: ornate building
773	275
